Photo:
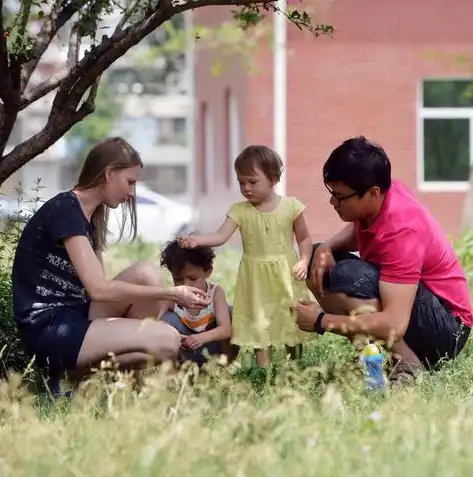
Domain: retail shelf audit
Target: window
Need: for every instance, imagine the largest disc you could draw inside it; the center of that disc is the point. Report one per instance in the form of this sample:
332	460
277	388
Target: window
232	142
167	180
171	131
446	126
209	151
227	153
235	142
206	149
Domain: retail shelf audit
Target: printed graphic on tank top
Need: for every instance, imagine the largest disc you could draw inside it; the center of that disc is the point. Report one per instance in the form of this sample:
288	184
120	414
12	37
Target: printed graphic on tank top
202	320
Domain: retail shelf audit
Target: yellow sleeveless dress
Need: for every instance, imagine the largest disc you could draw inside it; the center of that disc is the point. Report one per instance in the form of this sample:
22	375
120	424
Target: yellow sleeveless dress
266	290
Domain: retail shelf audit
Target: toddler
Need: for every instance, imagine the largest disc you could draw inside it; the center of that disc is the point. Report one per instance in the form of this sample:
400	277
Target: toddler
270	277
209	328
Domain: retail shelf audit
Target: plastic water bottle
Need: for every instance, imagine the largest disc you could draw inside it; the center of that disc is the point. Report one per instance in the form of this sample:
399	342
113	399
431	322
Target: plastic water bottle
373	367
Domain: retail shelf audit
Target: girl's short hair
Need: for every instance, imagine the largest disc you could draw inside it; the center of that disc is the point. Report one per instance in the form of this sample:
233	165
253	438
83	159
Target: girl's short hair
261	157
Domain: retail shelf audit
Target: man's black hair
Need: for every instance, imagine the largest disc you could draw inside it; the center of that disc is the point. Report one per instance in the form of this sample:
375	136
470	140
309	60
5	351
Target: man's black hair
359	164
174	257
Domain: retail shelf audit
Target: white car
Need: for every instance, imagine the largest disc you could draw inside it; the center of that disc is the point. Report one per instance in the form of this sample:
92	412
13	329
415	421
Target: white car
12	210
159	219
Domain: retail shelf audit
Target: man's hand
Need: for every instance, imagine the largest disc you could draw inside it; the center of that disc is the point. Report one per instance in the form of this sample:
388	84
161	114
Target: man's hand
307	313
192	342
323	261
300	270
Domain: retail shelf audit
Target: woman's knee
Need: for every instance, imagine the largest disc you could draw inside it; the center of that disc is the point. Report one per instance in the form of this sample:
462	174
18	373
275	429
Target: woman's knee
145	272
162	342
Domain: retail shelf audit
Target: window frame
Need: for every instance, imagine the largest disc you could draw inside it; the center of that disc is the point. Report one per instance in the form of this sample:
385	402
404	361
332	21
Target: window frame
440	113
235	140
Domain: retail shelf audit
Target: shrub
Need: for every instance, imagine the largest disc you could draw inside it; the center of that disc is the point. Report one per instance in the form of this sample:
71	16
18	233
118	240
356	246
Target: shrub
12	356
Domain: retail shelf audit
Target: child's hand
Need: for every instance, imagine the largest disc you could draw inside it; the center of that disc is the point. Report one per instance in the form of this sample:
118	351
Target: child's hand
191	241
300	270
193	342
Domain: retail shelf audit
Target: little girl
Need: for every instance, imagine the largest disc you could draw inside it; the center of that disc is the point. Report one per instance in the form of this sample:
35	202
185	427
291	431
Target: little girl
270	276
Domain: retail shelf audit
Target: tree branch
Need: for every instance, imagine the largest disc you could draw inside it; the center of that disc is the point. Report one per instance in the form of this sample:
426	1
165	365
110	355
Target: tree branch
52	83
54	129
11	100
41	141
7	122
43	88
89	103
3	55
96	61
73	49
85	75
53	22
126	15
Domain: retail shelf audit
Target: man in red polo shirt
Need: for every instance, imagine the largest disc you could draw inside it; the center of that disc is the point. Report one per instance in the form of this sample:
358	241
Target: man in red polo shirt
406	269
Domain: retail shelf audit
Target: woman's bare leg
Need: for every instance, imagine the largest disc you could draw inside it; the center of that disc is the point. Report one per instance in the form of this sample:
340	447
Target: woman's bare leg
141	273
133	343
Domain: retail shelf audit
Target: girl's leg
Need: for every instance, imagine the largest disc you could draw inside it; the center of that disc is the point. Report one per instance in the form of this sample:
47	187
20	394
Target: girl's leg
295	352
263	357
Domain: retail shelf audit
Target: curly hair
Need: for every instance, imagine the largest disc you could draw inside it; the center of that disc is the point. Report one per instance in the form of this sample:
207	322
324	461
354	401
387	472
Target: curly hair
174	257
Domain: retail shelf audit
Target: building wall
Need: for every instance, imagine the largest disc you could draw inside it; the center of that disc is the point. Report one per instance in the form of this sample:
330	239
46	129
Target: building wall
364	80
215	144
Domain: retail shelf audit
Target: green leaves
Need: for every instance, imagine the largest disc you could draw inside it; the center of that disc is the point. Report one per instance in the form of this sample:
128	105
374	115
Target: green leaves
251	15
247	16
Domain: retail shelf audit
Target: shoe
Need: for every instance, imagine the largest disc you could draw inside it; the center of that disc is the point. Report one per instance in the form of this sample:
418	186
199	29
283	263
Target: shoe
403	374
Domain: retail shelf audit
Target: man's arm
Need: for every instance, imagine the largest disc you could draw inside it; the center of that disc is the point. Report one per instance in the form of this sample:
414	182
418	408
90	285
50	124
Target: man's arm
389	324
344	241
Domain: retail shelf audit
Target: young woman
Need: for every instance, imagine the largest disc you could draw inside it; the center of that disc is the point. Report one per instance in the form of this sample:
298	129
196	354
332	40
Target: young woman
69	315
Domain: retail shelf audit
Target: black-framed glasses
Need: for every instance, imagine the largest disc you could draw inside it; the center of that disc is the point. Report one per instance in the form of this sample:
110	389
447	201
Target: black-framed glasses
339	198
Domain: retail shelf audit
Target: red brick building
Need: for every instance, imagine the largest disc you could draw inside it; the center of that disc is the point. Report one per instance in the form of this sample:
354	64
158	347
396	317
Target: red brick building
390	72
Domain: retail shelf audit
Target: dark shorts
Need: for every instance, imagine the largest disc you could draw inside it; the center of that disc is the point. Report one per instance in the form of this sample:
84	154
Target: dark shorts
214	348
433	332
55	345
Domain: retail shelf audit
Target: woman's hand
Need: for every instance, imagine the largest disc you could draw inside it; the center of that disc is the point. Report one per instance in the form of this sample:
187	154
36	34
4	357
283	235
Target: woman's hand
190	297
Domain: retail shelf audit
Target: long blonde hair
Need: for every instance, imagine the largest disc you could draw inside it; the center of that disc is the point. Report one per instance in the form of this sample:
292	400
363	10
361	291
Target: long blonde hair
114	153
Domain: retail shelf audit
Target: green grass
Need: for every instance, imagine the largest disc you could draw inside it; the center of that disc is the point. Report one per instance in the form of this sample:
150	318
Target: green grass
312	419
299	419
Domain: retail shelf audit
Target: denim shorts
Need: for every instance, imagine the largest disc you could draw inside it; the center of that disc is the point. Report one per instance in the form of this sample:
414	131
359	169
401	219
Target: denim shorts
214	348
433	332
56	343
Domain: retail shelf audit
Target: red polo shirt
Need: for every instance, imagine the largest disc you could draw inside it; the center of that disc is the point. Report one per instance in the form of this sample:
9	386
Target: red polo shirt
409	245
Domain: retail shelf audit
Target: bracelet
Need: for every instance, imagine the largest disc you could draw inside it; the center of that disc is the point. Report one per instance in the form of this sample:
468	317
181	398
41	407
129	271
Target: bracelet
318	328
